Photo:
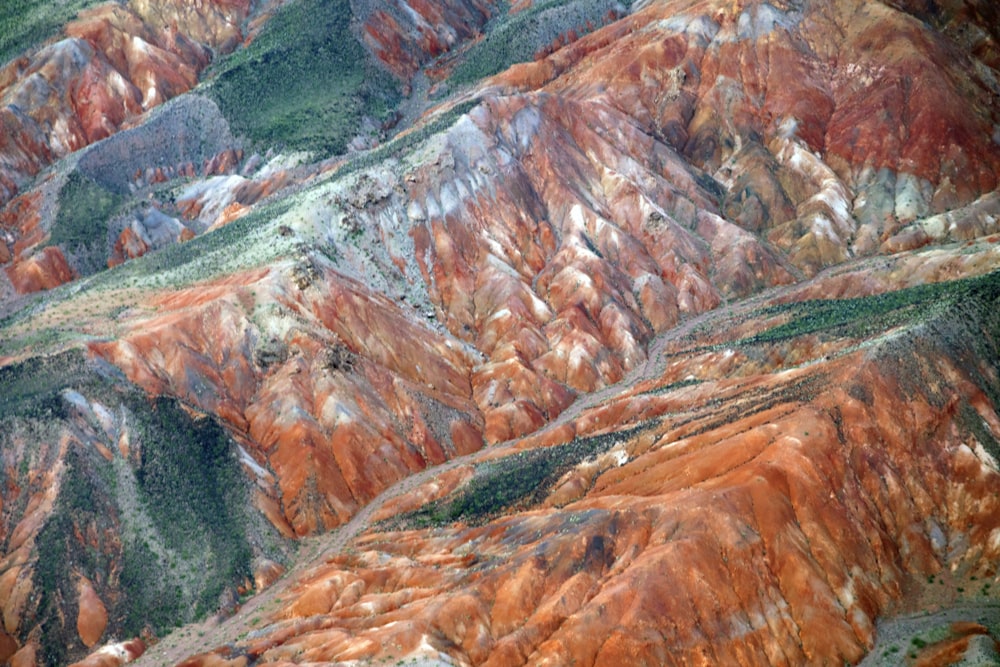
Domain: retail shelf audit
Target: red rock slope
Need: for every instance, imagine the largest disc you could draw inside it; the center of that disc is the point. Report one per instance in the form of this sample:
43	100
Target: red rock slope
598	227
113	64
766	515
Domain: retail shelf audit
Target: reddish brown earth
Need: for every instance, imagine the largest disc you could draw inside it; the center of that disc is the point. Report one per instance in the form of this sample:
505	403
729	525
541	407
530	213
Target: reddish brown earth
29	267
705	529
110	65
352	386
93	616
584	252
113	63
407	34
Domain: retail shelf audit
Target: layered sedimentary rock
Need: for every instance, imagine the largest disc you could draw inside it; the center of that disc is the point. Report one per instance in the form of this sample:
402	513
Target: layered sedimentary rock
830	127
406	35
113	64
701	536
338	395
601	262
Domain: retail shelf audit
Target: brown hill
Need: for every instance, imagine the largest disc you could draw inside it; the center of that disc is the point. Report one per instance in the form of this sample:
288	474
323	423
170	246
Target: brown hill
673	343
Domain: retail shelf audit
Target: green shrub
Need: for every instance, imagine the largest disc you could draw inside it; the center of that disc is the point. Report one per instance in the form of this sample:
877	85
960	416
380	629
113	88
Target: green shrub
518	480
517	38
84	210
26	23
304	83
866	316
180	511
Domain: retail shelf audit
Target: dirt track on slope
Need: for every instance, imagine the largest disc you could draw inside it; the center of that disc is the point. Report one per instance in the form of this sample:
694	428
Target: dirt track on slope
213	633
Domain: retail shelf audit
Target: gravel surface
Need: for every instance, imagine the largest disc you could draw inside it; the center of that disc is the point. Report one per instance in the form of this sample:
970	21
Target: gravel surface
898	633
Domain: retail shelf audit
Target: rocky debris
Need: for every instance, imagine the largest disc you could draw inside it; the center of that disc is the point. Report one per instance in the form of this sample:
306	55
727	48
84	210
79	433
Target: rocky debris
269	353
115	63
339	358
148	230
304	274
406	34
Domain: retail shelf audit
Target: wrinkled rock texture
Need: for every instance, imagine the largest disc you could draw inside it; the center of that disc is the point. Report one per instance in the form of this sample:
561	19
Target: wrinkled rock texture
600	241
771	524
114	63
111	64
405	35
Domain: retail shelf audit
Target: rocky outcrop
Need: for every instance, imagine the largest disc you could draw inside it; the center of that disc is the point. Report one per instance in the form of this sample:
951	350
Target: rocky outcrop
113	655
703	527
28	265
613	264
337	391
404	35
41	271
807	115
148	231
113	64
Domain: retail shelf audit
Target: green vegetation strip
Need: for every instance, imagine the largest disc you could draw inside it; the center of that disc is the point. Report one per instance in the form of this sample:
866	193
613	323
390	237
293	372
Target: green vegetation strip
27	23
304	83
519	480
516	38
872	315
179	504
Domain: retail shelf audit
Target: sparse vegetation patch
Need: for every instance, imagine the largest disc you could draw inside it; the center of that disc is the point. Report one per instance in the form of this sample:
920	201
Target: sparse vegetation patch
179	503
80	226
304	83
26	23
533	32
520	480
866	316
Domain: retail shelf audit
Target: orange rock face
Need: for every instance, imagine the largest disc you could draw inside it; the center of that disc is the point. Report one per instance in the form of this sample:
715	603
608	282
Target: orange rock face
704	529
113	655
349	400
619	243
43	270
113	64
92	618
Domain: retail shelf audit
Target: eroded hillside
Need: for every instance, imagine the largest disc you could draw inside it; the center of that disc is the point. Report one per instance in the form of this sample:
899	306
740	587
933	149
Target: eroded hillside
682	314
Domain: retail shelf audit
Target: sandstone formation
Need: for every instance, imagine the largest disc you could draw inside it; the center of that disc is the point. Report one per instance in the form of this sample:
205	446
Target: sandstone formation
406	35
114	63
675	344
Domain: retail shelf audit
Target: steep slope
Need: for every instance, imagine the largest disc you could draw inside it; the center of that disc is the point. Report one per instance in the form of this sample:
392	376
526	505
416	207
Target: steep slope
121	514
772	524
112	63
605	260
111	66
